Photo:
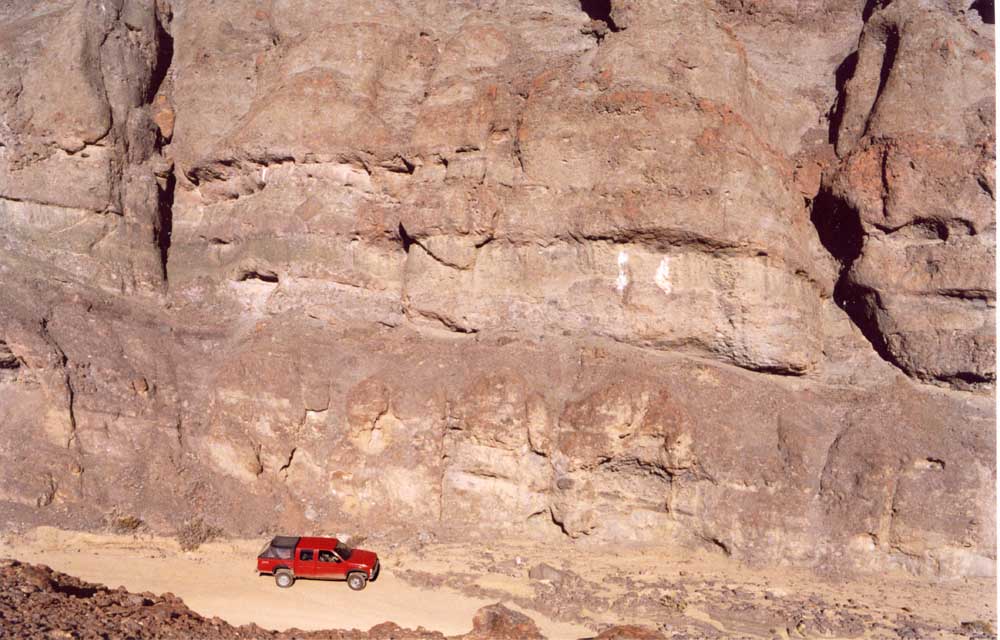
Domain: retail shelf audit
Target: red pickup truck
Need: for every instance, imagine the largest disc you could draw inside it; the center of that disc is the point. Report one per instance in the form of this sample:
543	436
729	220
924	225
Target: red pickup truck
288	559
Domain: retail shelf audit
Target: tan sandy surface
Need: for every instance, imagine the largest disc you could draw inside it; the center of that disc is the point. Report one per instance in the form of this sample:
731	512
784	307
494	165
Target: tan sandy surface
220	579
440	586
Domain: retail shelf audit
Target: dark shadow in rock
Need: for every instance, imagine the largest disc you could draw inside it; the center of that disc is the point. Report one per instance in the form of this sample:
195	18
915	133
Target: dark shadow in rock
264	275
844	72
986	10
840	231
599	10
404	238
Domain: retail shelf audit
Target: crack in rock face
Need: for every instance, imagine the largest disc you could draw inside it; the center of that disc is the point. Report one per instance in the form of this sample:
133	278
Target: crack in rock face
716	274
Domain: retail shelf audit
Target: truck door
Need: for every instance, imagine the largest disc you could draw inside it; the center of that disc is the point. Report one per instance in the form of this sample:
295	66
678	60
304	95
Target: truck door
328	565
305	563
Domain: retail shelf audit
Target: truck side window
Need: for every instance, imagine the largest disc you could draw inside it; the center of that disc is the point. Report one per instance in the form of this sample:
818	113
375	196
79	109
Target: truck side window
305	555
328	556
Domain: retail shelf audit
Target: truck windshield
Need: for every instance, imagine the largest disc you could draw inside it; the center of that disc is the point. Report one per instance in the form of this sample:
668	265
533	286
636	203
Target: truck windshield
343	550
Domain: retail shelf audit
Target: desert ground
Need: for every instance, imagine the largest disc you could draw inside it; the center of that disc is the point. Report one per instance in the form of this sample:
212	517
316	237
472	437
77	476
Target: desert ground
571	591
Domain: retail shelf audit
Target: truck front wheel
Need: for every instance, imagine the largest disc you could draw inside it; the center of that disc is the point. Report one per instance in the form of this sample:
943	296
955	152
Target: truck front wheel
357	581
284	578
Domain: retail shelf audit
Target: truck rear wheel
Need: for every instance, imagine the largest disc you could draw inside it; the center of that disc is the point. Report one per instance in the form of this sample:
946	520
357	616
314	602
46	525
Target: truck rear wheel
284	578
357	581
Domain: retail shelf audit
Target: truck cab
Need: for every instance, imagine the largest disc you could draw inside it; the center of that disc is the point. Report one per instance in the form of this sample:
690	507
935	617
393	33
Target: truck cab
290	558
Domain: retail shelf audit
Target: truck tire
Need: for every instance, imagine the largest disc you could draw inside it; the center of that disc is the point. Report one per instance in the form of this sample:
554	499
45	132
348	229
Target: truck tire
357	581
284	578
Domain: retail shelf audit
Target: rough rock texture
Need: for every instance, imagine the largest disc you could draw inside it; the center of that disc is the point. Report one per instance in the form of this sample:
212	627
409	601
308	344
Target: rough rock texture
719	273
914	191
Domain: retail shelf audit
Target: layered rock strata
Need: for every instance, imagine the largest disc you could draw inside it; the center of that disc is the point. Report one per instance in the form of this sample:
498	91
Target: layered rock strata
709	273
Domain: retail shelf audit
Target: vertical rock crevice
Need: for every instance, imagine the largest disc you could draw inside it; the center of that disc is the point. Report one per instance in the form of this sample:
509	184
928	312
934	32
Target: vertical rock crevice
167	181
843	73
165	225
164	56
837	223
405	240
840	231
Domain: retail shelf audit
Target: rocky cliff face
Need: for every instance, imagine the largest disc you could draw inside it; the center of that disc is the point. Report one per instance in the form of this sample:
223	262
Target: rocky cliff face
718	273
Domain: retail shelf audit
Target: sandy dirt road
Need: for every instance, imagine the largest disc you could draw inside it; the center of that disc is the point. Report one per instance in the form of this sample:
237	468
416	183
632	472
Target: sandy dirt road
218	579
440	587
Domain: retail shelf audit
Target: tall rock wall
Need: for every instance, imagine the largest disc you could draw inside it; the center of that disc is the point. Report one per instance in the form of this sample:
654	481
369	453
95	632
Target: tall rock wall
704	273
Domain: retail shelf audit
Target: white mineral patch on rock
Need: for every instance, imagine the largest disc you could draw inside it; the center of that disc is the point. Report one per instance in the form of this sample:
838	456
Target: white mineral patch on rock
622	280
662	277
